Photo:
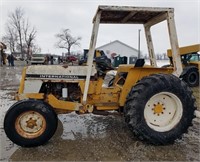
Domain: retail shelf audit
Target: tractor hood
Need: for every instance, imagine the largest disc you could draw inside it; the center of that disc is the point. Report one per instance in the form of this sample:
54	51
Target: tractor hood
57	72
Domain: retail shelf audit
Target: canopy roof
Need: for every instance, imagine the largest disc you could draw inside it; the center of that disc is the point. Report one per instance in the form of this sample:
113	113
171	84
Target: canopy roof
130	15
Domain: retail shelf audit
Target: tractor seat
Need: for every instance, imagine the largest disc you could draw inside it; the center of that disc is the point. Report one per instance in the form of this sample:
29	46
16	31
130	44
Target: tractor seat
139	63
103	64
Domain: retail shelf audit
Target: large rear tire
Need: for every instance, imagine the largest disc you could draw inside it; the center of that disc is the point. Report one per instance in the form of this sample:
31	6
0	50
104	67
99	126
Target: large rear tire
30	123
159	109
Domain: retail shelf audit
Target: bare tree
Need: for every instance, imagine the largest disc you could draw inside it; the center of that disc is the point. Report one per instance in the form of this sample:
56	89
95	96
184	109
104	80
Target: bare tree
35	49
29	37
16	20
66	40
10	38
20	35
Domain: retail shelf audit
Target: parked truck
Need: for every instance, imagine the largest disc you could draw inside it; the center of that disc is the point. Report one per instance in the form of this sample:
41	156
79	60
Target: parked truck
37	59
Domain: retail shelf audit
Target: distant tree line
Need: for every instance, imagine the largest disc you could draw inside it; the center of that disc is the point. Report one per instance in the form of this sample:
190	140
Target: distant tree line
20	36
159	56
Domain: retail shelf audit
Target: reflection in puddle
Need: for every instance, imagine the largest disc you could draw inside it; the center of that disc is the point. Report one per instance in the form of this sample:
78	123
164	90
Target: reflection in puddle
83	126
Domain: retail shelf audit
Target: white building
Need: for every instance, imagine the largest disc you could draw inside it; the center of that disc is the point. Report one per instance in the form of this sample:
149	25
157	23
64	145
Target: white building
116	48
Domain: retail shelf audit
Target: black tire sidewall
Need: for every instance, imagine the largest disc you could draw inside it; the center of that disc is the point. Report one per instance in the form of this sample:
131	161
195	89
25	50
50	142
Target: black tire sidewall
144	124
30	105
136	120
188	76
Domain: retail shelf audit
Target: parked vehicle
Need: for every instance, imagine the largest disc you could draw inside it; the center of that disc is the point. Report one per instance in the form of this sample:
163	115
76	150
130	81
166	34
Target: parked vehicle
37	59
71	58
190	59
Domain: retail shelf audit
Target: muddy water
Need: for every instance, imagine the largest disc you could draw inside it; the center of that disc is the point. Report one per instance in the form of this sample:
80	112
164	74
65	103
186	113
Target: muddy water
92	137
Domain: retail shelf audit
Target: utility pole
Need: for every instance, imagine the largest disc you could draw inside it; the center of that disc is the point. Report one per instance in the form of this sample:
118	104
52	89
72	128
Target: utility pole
139	43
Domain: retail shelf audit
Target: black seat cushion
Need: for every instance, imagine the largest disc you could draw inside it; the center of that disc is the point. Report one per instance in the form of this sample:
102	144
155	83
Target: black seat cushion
139	63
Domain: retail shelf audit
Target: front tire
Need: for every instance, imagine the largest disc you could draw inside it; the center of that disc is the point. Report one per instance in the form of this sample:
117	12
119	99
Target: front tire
159	109
30	123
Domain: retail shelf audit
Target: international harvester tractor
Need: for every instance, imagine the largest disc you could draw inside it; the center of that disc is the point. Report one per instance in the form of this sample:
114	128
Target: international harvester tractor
156	104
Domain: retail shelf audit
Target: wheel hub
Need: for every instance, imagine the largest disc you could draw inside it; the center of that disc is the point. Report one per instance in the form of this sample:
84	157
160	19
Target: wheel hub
30	124
158	108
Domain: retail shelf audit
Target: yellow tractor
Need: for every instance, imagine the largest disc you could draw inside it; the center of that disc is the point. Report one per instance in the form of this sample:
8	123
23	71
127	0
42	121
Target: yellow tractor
190	59
157	106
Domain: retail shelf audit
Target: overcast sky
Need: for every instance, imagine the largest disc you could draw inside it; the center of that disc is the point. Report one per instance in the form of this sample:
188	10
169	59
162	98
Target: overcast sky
50	16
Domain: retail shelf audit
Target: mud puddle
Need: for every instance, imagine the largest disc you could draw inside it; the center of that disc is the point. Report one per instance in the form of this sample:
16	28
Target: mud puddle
107	139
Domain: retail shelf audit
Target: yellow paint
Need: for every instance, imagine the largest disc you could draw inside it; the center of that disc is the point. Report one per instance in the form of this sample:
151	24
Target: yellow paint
21	86
107	107
96	87
195	63
92	87
61	104
136	74
98	53
103	98
158	108
38	96
110	90
185	50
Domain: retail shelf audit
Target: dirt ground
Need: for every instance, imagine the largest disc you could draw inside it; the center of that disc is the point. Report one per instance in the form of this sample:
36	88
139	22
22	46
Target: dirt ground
92	137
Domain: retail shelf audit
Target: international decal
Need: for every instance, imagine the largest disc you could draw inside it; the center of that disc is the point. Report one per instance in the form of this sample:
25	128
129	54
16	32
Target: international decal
49	76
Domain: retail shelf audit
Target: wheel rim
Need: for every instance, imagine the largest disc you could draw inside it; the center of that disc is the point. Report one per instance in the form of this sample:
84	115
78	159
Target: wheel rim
163	111
30	124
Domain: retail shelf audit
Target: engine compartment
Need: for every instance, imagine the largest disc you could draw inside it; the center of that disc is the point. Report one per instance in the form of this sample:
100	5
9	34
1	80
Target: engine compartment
72	90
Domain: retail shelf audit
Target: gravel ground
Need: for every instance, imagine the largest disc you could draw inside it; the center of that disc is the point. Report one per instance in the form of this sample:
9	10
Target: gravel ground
92	137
